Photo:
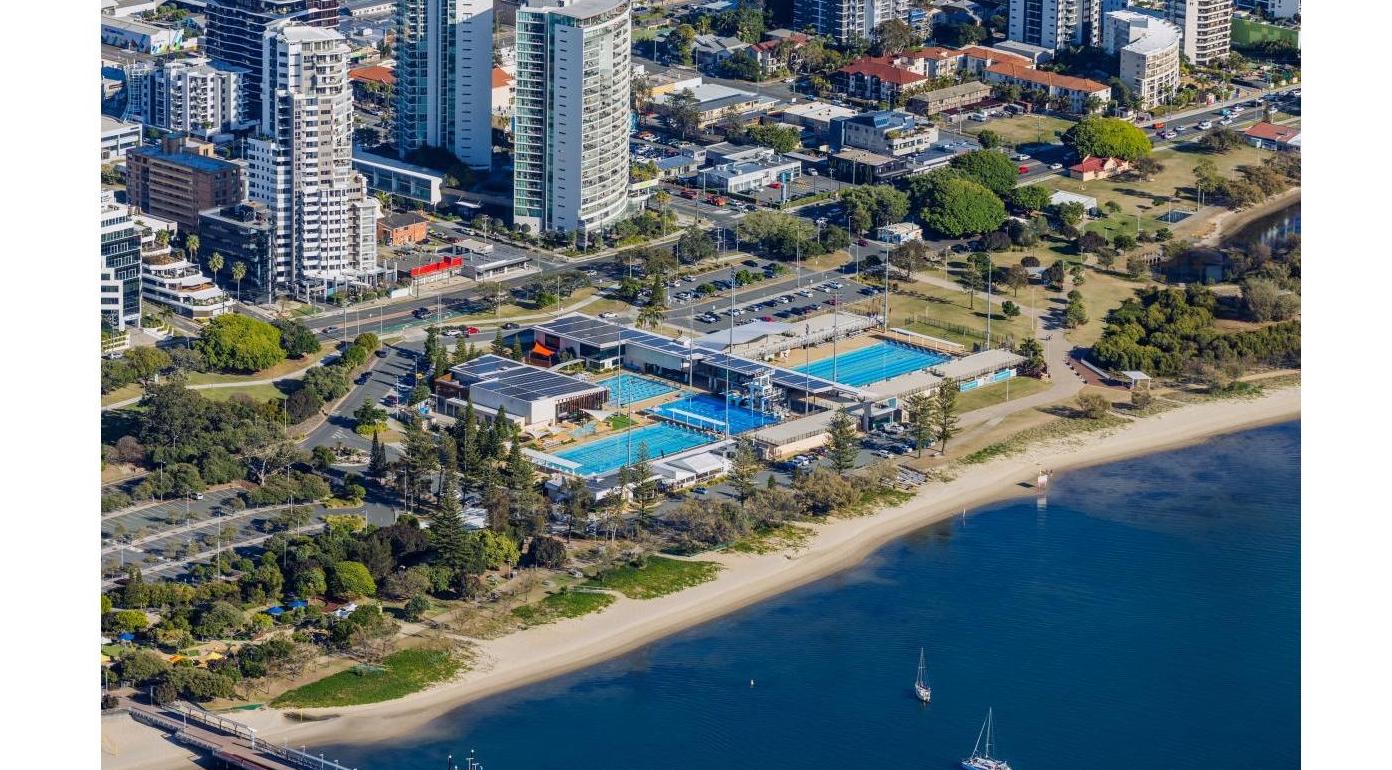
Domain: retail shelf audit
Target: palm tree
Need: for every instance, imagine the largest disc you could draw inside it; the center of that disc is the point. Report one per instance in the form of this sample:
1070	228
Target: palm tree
239	271
215	262
191	244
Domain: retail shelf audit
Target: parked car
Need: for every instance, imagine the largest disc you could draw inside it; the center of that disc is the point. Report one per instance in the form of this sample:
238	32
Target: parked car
471	331
1055	166
510	325
609	315
1021	157
1024	169
453	331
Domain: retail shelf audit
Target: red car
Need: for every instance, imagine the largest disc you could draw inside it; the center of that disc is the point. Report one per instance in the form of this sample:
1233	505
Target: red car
472	330
688	193
862	242
765	318
1024	169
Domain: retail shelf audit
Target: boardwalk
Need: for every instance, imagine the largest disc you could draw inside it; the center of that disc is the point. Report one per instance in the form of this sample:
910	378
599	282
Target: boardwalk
228	741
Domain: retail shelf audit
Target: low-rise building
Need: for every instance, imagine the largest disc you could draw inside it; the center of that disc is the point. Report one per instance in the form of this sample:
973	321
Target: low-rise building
763	170
1093	167
887	132
179	284
402	228
1061	197
1270	136
899	233
1070	91
366	9
534	397
816	116
398	178
242	233
1147	49
179	179
665	82
864	167
1037	54
950	98
138	36
712	50
876	79
715	102
503	91
117	138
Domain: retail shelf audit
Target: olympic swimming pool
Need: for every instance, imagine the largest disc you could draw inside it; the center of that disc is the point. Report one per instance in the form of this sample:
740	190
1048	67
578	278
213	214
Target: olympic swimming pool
623	447
875	363
707	411
625	389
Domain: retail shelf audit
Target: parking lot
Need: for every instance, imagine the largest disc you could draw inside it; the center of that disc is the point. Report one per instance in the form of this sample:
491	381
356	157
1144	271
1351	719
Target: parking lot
787	297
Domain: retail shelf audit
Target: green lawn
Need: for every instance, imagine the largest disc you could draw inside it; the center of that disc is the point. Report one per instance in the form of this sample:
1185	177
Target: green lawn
569	604
771	540
1022	129
951	307
990	395
403	673
258	393
661	576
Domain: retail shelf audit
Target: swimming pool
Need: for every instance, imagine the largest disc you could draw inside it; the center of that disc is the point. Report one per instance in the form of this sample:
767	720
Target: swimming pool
625	389
877	362
706	411
623	447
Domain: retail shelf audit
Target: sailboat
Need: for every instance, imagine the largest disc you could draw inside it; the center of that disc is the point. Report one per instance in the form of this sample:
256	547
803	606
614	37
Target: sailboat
982	760
921	688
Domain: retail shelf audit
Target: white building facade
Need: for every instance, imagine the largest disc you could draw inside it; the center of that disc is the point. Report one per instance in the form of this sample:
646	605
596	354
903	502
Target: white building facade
1205	27
120	265
189	95
1148	50
847	20
444	63
1055	24
571	115
301	163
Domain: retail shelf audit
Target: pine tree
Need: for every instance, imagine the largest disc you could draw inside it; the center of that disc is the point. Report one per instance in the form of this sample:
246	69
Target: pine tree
579	501
844	445
918	412
743	470
447	534
517	348
377	465
519	470
945	412
645	491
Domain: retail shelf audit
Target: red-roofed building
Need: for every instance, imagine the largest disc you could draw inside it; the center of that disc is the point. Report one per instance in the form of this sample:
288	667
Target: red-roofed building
373	74
503	90
766	52
876	79
1073	91
1269	136
1093	167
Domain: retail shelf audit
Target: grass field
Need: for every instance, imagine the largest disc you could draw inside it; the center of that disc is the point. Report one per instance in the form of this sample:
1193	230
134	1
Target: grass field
787	536
283	369
255	392
953	307
570	604
1101	294
403	673
990	395
661	576
1022	129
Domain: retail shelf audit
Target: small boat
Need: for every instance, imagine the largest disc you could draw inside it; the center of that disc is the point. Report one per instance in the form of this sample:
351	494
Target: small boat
921	688
982	760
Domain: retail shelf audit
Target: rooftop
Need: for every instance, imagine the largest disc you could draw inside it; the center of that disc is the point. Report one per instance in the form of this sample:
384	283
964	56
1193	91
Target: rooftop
518	380
1272	132
1050	79
403	219
1147	34
373	74
863	156
878	67
961	89
819	110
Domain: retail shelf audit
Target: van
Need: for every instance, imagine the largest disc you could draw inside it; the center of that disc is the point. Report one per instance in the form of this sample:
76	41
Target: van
979	117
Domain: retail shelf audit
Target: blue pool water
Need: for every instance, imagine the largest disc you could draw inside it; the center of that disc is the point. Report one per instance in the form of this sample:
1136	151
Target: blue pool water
625	389
1145	616
623	447
706	411
880	361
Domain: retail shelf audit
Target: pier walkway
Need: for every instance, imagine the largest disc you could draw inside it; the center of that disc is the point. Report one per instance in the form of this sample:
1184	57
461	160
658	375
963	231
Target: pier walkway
228	741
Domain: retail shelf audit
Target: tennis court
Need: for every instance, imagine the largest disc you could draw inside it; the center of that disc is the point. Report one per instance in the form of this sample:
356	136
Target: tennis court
625	389
623	447
708	412
875	363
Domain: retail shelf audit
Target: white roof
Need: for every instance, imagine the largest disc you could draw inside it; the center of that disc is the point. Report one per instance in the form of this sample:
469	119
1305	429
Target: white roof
819	111
704	462
978	363
718	340
1063	196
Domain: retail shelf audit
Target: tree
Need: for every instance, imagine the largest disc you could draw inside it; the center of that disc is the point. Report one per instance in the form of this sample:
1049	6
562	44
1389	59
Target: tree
215	262
350	580
679	44
988	139
918	412
1075	314
578	503
1029	198
1264	301
303	404
1221	140
239	271
993	170
1093	406
191	244
297	339
896	37
1010	309
643	486
779	137
743	66
958	207
546	552
911	257
695	245
1016	277
1108	138
682	113
129	621
146	362
1070	213
330	382
844	445
869	206
309	582
743	470
377	464
944	412
1147	167
238	343
142	665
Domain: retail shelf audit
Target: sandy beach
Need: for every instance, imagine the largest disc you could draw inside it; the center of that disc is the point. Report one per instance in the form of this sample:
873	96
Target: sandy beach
546	651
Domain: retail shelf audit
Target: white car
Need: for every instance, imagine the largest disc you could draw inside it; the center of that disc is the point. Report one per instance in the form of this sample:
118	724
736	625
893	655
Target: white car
1022	156
608	315
1238	110
1225	122
1055	166
1204	126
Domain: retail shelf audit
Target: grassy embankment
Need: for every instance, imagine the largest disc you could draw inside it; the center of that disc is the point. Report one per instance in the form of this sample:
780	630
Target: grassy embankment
658	577
401	674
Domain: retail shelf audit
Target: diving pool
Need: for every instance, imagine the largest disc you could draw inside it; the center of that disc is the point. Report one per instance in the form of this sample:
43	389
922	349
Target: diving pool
625	389
707	411
877	362
623	447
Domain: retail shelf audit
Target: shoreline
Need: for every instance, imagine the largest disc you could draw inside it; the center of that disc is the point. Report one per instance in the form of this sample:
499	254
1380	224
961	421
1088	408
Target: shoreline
544	652
1229	222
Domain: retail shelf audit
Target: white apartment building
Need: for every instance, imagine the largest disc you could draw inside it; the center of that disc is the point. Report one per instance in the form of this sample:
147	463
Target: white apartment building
571	114
301	163
1148	49
120	265
846	20
174	281
1055	24
1205	27
444	84
117	136
189	95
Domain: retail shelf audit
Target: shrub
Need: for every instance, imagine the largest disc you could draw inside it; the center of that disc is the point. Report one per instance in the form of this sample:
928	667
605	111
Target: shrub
1094	406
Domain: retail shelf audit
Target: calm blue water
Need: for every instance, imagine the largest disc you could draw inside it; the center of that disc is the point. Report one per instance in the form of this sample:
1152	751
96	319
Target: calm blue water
877	362
1145	617
625	389
623	447
708	412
